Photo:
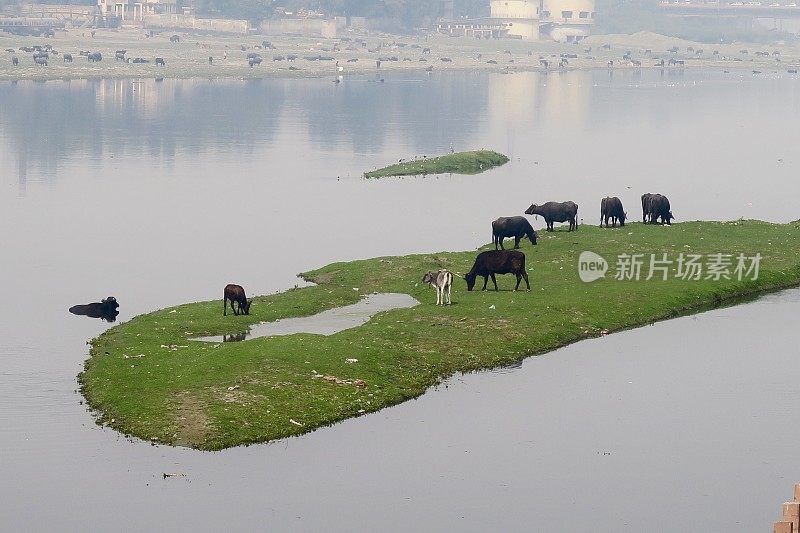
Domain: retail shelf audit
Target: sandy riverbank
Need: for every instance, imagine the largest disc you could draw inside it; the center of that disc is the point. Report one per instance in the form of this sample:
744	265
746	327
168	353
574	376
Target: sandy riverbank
190	57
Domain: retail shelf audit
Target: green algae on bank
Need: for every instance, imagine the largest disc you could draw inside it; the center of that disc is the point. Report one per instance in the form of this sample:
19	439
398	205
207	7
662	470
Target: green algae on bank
146	378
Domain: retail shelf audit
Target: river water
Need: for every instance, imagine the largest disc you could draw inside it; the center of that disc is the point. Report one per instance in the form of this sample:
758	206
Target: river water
161	193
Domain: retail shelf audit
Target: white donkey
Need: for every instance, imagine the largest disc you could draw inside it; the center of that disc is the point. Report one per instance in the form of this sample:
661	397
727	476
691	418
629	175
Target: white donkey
442	281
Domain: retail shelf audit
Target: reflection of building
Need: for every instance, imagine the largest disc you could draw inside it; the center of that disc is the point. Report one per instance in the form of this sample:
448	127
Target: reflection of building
521	17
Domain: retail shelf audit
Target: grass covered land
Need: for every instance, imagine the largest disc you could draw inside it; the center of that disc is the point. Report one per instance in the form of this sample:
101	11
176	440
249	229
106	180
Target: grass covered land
145	378
459	163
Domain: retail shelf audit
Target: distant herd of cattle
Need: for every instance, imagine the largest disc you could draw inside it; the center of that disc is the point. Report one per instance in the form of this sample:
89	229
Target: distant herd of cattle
41	56
655	210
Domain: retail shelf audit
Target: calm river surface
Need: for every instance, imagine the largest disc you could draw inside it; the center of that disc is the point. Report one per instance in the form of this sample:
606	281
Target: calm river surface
161	193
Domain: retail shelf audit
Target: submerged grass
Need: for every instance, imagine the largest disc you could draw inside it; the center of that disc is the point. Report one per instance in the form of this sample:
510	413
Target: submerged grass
146	378
459	163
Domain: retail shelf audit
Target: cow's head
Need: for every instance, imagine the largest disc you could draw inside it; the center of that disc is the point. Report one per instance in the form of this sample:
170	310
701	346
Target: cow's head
532	236
622	219
470	279
109	303
428	278
531	210
246	306
669	217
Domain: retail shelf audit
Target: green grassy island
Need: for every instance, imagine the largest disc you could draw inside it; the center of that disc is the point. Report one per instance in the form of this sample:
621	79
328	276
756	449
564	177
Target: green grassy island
458	163
146	378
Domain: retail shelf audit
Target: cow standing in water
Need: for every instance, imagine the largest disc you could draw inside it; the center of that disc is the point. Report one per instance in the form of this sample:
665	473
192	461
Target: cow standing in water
442	281
235	293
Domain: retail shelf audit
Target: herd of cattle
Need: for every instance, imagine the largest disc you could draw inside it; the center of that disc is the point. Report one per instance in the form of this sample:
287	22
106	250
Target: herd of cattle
655	210
490	263
41	55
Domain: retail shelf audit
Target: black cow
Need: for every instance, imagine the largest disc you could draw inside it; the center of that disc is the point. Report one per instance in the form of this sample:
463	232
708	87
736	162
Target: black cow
160	61
94	57
15	61
492	262
105	309
254	61
659	208
517	227
40	60
647	200
67	58
119	55
235	293
611	207
175	39
556	212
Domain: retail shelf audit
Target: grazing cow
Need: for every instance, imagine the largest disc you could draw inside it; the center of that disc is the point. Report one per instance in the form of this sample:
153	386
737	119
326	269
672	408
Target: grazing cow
254	61
119	55
235	293
175	39
160	62
105	309
67	58
611	207
291	57
251	55
659	208
278	58
442	281
426	50
492	262
556	212
210	60
15	61
517	227
40	60
647	200
94	57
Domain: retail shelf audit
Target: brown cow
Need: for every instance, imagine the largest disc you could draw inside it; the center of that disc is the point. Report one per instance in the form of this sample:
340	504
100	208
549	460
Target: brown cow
235	293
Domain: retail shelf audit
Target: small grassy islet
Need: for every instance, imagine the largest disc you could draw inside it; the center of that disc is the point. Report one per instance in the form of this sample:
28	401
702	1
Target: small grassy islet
473	162
146	378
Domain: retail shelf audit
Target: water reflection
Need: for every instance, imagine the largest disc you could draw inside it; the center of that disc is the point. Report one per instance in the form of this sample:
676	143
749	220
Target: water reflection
234	337
106	309
324	323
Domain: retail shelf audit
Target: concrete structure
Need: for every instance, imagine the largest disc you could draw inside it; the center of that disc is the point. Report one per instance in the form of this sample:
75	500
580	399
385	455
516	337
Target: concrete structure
567	20
328	28
128	11
520	17
190	23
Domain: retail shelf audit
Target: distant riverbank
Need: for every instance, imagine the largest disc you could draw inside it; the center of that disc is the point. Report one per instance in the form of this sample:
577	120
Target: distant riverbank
368	54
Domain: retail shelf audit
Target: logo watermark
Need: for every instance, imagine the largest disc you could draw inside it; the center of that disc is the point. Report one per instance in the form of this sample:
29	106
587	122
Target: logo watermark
687	267
591	266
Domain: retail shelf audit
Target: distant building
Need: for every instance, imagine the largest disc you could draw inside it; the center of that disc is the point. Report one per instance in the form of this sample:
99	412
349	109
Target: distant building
567	20
520	17
128	11
560	20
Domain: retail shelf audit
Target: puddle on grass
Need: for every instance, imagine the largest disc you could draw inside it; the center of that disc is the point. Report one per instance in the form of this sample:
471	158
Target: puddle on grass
324	323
